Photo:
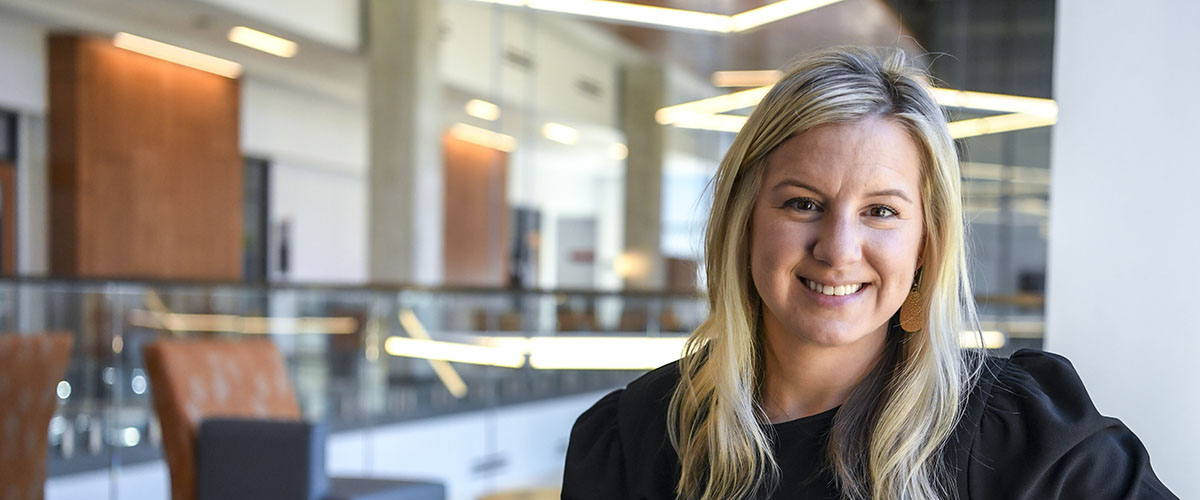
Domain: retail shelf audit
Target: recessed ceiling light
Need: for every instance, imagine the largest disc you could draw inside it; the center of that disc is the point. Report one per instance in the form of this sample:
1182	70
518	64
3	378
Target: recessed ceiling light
483	110
265	42
560	133
483	137
672	18
177	55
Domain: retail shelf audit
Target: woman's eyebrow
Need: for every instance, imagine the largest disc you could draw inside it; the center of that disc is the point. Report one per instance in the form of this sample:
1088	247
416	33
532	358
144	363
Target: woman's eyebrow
899	193
797	183
891	192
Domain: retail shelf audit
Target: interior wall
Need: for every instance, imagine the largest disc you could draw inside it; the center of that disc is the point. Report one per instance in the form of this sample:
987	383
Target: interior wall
316	146
477	214
23	60
1124	239
145	168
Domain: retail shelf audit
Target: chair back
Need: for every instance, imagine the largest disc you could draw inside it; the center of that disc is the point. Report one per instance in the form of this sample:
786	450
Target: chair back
30	369
193	380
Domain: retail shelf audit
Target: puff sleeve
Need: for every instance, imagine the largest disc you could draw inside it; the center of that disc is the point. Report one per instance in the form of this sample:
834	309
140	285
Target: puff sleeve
1040	437
595	465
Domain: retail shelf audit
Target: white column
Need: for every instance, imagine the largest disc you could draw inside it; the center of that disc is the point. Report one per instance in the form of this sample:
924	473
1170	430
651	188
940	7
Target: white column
1124	256
643	93
405	209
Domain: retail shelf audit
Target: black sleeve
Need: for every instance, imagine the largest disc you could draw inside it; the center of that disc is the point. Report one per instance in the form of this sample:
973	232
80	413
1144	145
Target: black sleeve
595	465
1040	437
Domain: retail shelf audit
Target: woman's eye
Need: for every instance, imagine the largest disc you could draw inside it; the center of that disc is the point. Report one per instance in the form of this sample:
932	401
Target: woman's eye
802	204
882	211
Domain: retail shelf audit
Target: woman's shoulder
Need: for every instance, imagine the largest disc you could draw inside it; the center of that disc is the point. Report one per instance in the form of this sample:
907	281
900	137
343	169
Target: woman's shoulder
1034	432
620	444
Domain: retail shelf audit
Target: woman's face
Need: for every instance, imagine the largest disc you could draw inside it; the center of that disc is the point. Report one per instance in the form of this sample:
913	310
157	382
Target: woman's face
839	210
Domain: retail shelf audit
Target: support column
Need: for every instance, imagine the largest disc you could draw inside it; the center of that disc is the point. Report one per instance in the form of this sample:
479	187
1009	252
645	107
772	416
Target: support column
643	93
405	191
1122	205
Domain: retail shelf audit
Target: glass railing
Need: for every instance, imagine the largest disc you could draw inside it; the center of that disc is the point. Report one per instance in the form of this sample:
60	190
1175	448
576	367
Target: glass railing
336	344
360	357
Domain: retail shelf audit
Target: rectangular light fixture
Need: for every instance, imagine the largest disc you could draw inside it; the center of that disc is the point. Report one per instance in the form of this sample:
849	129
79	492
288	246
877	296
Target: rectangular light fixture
719	122
483	137
991	339
560	133
773	12
265	42
177	55
446	373
483	110
712	105
1000	123
672	18
995	102
749	78
637	13
603	353
456	352
584	353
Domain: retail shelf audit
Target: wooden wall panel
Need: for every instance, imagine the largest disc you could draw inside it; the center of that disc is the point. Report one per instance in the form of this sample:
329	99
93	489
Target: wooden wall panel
146	170
476	235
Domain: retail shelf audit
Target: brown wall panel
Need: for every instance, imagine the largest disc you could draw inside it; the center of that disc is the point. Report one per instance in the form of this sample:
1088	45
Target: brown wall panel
476	225
146	170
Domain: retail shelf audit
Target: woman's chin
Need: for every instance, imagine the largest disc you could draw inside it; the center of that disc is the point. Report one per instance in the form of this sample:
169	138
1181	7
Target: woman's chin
835	335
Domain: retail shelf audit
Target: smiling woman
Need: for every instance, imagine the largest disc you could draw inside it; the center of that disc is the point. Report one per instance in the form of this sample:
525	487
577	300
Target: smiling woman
830	365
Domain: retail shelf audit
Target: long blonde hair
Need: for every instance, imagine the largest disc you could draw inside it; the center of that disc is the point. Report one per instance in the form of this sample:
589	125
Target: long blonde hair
886	438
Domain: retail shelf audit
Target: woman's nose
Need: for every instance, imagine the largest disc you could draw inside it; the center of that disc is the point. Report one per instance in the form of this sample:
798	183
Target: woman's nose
839	241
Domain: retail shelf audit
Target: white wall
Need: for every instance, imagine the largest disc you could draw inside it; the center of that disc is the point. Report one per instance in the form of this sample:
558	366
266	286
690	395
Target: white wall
530	439
23	59
317	147
1124	236
335	22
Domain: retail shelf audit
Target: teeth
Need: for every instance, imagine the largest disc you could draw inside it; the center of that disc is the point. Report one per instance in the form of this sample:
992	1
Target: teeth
833	290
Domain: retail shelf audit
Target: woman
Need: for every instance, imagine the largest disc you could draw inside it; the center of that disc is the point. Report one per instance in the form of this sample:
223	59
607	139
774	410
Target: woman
829	366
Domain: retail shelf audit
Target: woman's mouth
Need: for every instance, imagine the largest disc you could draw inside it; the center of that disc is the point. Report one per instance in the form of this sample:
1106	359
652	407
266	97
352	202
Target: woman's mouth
834	290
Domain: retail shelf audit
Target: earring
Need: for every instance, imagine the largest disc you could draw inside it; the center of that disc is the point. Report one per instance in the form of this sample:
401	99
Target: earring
912	313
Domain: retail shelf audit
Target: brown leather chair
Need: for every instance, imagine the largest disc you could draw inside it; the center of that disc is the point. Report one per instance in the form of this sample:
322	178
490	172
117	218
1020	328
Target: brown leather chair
239	393
197	379
30	368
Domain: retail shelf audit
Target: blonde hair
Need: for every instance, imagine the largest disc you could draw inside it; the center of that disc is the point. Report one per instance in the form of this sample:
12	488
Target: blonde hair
886	439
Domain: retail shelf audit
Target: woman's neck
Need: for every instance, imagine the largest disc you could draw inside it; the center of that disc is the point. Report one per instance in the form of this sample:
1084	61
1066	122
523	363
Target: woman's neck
802	379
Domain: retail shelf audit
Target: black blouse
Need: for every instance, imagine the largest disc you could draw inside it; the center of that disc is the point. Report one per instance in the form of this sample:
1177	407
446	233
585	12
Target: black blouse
1030	431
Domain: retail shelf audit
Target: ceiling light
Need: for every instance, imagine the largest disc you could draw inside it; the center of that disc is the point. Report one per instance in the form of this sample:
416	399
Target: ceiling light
483	137
672	18
752	78
265	42
483	110
720	123
177	55
773	12
995	102
454	351
603	353
618	151
719	104
446	373
996	124
560	133
991	339
637	13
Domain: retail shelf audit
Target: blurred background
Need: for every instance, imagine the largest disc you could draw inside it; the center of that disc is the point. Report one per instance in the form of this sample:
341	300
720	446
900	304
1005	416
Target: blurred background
461	222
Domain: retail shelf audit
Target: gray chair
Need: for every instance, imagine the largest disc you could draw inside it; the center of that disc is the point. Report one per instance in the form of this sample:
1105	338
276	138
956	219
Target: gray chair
244	459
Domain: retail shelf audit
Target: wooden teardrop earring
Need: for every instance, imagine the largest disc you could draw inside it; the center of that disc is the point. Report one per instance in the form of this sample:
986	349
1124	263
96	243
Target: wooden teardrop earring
912	313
